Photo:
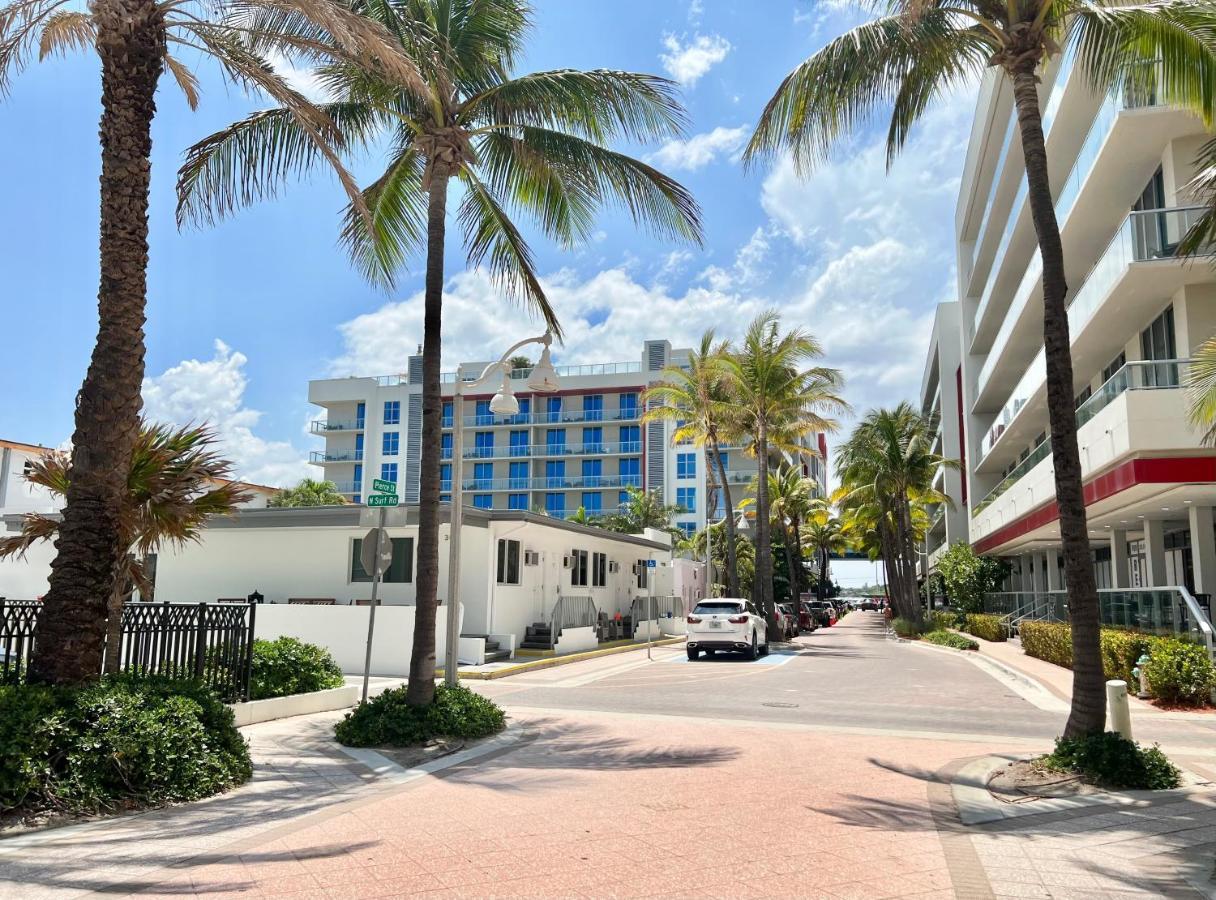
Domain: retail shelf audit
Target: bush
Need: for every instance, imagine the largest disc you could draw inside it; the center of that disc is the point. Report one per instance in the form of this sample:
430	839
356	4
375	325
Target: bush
988	627
387	720
1113	761
1121	649
1180	672
1050	641
967	577
951	639
943	620
287	666
906	628
125	741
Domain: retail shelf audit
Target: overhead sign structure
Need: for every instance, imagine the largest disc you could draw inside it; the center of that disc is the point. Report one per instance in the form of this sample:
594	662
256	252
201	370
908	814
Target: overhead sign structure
384	487
383	500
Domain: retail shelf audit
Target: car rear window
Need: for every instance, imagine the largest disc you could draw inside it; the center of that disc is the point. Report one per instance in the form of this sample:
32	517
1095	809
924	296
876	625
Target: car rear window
718	607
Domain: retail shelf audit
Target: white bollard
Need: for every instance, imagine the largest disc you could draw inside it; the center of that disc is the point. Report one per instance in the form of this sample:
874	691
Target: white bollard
1120	712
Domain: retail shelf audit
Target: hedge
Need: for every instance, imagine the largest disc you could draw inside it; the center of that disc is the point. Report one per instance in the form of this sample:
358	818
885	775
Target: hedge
288	666
950	639
988	627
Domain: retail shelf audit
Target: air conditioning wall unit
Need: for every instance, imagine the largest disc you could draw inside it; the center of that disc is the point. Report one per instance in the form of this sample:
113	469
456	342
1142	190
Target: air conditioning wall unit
613	566
531	558
567	562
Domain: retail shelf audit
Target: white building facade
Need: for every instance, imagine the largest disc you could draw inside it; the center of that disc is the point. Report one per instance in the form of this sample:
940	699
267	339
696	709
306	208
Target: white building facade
1120	165
580	447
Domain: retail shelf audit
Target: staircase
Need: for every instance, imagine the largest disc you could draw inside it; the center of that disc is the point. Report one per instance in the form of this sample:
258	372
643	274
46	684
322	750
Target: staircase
538	637
494	652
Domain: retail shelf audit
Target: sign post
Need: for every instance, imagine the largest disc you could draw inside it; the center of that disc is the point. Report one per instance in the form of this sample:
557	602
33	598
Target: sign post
650	622
376	555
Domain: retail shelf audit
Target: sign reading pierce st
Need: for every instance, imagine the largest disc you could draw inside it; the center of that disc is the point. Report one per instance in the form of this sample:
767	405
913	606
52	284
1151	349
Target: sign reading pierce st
383	500
384	487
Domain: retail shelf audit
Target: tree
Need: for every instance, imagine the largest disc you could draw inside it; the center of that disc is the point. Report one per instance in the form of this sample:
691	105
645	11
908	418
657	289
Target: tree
519	362
919	50
745	553
825	536
642	510
790	501
175	482
533	144
132	38
1201	384
694	398
775	401
967	577
308	493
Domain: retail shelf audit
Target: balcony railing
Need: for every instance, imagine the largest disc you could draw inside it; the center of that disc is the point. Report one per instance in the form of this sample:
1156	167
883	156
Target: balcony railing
321	426
561	417
335	456
1135	376
552	483
596	448
348	487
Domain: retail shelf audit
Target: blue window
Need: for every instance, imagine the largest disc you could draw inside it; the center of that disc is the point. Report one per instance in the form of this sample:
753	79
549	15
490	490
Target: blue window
484	416
631	439
392	412
483	444
689	528
555	440
553	409
631	471
519	443
447	414
629	406
445	477
358	477
390	443
725	457
483	501
518	475
686	498
592	469
445	446
358	498
593	501
680	424
720	512
593	440
555	504
517	501
388	472
622	498
358	446
593	407
686	465
360	417
555	472
483	476
525	410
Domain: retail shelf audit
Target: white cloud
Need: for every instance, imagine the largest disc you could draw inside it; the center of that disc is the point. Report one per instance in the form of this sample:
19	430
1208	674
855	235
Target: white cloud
686	63
212	392
696	8
303	79
700	149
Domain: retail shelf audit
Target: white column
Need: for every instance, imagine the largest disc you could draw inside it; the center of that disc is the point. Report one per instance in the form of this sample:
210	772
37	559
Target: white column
1120	574
1053	569
1025	576
1040	572
1154	552
1203	549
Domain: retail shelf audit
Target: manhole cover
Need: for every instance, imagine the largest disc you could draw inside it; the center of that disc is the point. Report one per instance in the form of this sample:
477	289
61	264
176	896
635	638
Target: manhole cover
781	705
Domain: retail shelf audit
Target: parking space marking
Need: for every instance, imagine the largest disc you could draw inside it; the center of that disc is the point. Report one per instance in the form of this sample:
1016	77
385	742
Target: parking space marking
774	658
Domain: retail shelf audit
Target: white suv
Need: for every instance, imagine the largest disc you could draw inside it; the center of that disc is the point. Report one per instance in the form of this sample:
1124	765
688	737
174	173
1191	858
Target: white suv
727	623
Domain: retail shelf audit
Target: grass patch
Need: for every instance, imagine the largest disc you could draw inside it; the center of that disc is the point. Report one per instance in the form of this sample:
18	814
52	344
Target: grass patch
1112	761
950	639
388	721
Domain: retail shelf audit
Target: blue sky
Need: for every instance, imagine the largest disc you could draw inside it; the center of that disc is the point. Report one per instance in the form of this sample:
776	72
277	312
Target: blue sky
241	316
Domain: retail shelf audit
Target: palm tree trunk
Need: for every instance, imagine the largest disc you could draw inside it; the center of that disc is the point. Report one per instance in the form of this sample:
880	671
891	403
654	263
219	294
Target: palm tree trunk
821	587
732	555
1088	713
796	572
118	598
711	495
908	552
71	630
789	565
762	590
421	688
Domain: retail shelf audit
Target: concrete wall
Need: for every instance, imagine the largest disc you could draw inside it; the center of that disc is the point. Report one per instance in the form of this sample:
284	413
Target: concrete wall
27	579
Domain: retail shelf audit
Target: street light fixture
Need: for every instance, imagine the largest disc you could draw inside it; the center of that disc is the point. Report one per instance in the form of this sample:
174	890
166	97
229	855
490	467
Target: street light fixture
542	380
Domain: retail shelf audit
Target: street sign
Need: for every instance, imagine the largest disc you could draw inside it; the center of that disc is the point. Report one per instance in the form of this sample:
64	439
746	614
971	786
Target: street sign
385	487
376	540
383	500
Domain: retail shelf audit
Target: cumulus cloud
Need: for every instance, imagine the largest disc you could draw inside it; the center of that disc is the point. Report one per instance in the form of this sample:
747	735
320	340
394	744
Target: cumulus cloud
212	391
700	150
687	62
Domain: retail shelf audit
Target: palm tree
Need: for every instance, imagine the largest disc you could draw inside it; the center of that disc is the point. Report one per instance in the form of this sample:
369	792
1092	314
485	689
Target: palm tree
132	40
825	535
919	50
694	398
308	492
1201	383
744	551
642	510
775	402
175	483
790	502
534	144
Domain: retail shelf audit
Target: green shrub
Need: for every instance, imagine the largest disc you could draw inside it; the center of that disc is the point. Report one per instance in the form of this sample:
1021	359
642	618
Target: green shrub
1113	761
387	720
988	627
906	628
1050	641
943	619
1121	649
1180	672
121	742
287	666
967	577
950	639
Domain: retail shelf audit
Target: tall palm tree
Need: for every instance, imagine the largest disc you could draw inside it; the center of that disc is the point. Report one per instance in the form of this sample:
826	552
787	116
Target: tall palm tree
744	552
132	40
790	501
922	48
826	536
535	144
175	482
775	401
694	398
309	492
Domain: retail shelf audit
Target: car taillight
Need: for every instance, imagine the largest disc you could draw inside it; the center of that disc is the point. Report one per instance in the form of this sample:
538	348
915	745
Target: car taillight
694	620
737	620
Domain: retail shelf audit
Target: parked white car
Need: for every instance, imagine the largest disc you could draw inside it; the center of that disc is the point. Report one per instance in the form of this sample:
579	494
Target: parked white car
727	623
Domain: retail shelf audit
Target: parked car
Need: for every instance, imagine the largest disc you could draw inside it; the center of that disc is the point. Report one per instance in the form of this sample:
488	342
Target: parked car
806	617
729	624
868	603
823	612
789	626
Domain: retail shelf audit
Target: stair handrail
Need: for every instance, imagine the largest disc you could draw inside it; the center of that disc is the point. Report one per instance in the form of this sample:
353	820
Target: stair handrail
571	612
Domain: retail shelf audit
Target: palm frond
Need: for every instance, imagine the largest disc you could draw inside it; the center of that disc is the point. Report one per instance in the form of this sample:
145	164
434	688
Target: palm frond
185	79
65	31
20	22
1201	386
397	205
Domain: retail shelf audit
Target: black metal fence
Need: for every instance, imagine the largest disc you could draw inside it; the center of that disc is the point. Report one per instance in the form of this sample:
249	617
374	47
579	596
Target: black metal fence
210	642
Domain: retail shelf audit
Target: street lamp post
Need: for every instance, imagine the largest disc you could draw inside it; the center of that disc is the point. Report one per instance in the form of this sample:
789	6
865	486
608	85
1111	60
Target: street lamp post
542	380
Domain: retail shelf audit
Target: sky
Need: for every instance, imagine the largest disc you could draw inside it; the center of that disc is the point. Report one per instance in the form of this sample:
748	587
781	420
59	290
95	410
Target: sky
242	315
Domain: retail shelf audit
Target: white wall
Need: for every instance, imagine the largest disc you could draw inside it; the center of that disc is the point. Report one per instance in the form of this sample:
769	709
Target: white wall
28	578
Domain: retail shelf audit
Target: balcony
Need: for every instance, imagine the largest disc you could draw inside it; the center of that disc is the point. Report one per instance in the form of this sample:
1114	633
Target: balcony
562	417
554	483
1138	267
598	448
347	487
320	426
335	456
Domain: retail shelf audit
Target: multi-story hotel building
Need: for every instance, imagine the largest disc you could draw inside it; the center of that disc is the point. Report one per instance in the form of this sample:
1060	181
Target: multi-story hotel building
580	447
1120	165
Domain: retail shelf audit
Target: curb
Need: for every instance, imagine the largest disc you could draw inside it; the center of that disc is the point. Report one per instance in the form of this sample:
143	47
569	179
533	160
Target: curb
387	770
551	661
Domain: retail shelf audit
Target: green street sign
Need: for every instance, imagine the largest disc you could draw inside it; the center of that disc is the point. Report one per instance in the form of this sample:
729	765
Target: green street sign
383	500
385	487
